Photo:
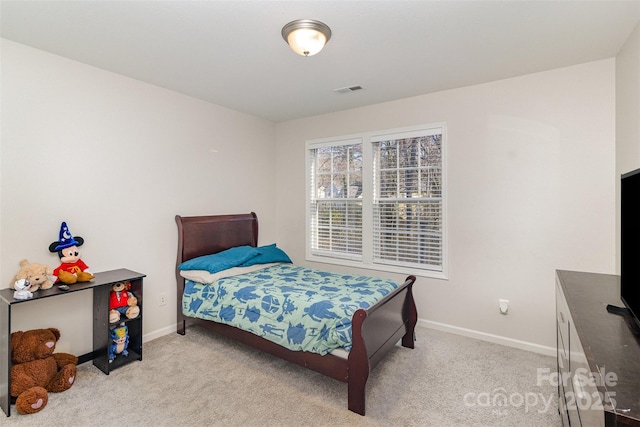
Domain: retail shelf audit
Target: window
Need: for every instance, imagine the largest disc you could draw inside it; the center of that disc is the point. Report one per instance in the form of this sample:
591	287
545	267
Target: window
377	201
336	200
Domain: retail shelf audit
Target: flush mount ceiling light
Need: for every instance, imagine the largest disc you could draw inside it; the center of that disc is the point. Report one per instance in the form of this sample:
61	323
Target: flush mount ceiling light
306	37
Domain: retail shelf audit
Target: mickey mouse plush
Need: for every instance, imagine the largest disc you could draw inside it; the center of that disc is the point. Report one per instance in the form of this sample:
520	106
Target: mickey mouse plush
72	269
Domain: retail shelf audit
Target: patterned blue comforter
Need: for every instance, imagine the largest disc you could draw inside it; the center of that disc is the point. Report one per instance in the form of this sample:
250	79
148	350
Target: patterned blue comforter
299	308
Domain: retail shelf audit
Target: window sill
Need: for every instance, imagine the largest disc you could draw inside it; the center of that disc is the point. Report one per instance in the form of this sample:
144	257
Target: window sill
379	267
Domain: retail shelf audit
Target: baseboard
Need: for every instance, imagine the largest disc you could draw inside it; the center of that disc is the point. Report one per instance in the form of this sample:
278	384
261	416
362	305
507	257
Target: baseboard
159	333
497	339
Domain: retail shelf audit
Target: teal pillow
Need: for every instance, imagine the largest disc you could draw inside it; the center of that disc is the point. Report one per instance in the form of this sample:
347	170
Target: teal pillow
214	263
268	254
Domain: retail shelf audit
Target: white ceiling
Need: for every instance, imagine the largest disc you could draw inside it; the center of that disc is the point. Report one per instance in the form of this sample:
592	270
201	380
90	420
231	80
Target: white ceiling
231	53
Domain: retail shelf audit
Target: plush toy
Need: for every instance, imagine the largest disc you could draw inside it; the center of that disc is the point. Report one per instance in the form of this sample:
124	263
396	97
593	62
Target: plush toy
72	269
122	302
21	289
119	342
37	275
37	370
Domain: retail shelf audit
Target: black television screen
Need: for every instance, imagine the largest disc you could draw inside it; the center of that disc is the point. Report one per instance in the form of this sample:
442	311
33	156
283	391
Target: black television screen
630	242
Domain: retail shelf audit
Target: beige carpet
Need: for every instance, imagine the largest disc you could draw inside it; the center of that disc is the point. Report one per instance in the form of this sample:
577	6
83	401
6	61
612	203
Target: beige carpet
204	380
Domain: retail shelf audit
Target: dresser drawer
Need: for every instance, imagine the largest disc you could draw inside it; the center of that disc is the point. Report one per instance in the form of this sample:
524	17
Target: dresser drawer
588	396
562	406
562	319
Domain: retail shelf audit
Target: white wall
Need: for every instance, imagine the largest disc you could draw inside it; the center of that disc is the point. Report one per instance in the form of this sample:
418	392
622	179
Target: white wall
117	159
531	161
531	164
627	112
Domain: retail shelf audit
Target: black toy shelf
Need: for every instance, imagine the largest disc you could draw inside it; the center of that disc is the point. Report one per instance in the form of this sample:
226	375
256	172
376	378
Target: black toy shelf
101	287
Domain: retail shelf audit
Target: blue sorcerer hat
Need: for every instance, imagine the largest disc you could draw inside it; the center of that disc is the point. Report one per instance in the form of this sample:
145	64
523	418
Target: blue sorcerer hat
65	240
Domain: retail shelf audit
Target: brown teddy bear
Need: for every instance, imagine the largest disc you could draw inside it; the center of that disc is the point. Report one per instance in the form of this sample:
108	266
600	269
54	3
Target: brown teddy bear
36	274
37	370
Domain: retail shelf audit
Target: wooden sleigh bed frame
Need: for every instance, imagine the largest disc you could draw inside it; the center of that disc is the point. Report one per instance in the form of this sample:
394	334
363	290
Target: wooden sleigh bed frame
375	330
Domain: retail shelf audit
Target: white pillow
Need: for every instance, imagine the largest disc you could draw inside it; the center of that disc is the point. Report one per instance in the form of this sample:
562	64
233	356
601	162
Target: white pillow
203	276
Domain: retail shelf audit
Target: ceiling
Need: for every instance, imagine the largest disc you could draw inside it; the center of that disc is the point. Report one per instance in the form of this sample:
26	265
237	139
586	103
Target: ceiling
231	53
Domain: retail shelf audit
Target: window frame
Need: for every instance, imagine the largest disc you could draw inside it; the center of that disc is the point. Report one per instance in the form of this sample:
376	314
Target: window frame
368	140
311	189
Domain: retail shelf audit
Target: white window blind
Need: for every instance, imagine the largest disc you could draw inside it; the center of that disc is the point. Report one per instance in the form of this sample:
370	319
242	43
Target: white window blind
336	205
376	200
407	202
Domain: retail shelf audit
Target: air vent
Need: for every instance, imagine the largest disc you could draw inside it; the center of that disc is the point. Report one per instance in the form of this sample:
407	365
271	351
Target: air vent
348	89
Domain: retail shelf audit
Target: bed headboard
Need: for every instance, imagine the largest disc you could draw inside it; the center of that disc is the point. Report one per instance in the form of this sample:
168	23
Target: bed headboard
204	235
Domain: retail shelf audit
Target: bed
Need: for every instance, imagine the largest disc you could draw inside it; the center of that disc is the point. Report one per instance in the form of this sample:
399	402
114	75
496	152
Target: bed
374	330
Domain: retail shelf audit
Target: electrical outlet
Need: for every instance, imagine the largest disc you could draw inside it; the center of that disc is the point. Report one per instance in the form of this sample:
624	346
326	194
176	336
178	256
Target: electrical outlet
162	299
504	306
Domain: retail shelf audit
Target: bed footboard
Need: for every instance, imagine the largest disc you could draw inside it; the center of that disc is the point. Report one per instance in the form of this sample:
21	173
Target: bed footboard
376	331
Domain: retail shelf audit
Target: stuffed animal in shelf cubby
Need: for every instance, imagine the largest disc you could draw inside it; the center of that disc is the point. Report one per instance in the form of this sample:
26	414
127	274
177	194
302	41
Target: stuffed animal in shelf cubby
119	342
122	302
72	269
36	370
